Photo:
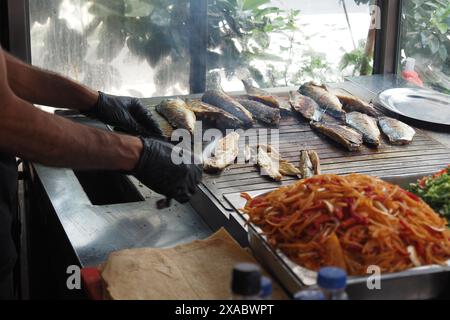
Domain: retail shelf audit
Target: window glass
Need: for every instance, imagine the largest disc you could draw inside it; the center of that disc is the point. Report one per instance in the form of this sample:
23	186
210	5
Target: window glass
143	47
425	42
122	47
286	42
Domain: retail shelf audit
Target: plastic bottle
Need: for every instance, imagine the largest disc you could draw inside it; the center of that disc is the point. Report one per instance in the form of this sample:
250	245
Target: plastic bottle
266	288
409	74
309	294
246	282
332	281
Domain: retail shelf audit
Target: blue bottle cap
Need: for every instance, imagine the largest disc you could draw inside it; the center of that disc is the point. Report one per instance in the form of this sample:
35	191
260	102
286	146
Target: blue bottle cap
332	278
266	287
309	295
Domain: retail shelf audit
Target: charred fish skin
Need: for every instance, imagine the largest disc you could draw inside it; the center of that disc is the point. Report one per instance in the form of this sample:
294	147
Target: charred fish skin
223	101
225	152
257	94
326	100
365	125
353	104
177	114
261	112
262	96
305	106
343	135
398	133
217	117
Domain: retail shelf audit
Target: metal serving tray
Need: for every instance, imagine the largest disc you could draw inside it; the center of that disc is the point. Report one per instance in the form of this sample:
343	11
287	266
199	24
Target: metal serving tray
425	282
418	104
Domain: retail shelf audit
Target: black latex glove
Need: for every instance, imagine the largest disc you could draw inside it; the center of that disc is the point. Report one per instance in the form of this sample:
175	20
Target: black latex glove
157	171
125	113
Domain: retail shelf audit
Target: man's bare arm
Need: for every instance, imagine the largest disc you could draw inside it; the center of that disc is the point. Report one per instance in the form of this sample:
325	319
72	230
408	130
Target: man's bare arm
47	88
35	135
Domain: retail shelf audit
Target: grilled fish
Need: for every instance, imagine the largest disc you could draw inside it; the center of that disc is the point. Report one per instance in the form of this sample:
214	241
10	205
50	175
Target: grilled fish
351	104
262	112
343	135
223	101
163	125
224	154
306	165
288	169
309	164
265	97
269	162
216	117
309	109
398	132
315	160
326	100
304	105
177	114
365	125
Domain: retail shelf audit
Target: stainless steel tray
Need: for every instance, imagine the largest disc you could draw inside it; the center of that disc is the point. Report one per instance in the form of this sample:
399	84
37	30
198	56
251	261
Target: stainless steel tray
418	104
425	282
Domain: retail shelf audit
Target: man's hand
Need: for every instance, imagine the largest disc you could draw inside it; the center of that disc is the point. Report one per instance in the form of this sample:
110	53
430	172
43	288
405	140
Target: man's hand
157	171
125	113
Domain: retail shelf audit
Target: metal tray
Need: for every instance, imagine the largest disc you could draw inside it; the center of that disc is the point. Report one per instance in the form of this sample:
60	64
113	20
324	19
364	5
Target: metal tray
425	282
418	104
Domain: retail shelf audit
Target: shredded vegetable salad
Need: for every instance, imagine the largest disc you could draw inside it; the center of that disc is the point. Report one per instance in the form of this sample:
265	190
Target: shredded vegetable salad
351	222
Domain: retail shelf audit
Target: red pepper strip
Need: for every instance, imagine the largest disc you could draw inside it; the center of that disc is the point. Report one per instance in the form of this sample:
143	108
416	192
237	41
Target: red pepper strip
412	196
405	225
246	196
320	220
339	213
255	201
380	198
348	223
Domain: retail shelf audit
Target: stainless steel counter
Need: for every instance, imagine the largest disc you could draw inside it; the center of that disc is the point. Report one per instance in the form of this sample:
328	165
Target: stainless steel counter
94	231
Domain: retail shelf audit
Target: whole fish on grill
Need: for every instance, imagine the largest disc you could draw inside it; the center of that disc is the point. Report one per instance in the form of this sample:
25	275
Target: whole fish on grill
163	125
326	100
177	114
225	152
309	109
349	138
399	133
352	104
365	125
262	112
220	99
265	97
216	117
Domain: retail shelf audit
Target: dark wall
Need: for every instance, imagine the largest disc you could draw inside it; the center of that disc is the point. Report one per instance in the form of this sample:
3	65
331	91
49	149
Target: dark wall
4	32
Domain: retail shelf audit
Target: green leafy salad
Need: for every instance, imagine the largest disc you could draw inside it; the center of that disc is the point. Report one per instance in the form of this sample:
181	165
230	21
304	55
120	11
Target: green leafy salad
435	191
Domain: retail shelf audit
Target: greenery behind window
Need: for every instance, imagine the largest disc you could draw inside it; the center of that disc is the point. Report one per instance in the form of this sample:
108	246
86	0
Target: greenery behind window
94	41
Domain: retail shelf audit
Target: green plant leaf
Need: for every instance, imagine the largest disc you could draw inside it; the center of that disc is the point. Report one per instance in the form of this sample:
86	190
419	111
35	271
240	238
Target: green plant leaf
253	4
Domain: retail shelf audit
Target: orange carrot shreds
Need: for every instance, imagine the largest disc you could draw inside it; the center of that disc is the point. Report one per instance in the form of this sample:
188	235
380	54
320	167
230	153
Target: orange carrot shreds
352	221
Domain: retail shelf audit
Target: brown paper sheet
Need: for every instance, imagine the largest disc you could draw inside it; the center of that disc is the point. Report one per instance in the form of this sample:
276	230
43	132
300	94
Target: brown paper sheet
197	270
